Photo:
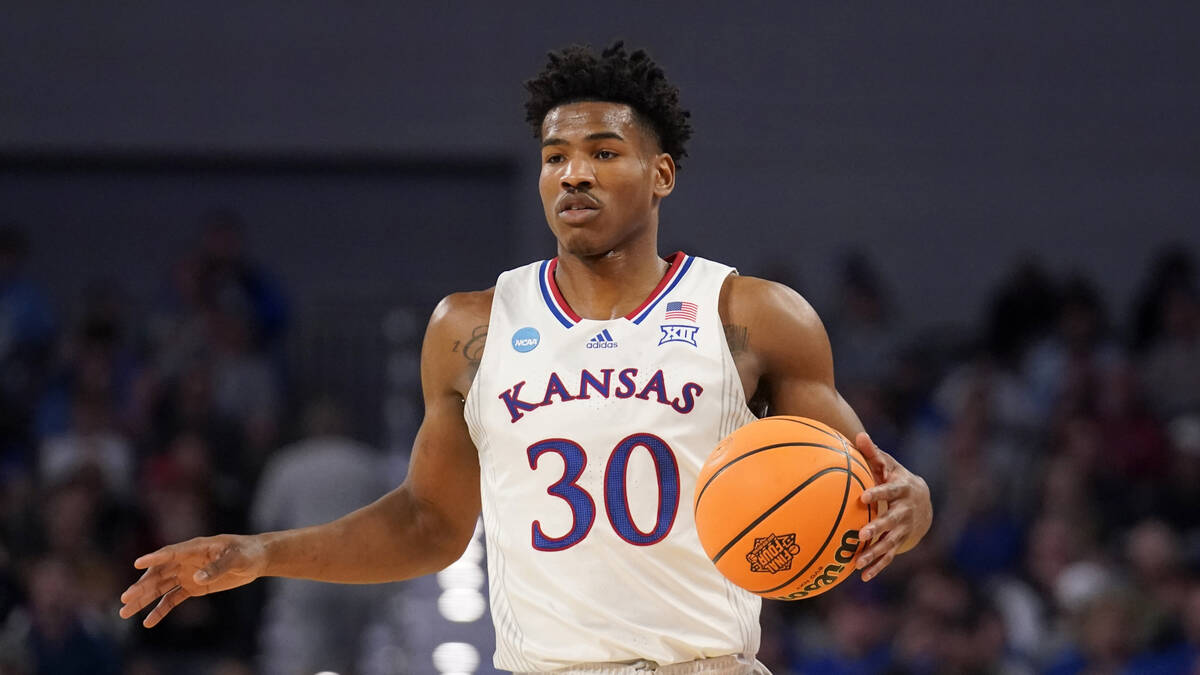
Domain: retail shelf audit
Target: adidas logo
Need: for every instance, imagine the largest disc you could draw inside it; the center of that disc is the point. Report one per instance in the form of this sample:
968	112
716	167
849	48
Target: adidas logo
602	340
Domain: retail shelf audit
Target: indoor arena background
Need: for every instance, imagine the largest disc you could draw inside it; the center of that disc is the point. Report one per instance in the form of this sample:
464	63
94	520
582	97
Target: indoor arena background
223	226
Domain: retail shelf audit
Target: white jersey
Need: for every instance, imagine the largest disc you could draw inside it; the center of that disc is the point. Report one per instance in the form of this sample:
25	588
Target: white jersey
591	434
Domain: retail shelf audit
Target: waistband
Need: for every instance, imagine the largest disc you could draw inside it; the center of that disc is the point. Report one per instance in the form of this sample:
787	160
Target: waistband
734	664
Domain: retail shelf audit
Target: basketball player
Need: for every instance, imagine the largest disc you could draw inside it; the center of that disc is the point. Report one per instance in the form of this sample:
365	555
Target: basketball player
608	375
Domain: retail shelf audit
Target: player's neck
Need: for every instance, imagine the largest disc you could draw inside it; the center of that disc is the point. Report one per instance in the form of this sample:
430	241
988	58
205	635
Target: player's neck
611	285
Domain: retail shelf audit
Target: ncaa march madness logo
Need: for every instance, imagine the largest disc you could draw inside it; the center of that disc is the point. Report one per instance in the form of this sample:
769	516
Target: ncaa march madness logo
526	339
773	553
679	311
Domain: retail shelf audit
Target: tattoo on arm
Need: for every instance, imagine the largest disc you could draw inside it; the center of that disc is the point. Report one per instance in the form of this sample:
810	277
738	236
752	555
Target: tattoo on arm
472	349
738	338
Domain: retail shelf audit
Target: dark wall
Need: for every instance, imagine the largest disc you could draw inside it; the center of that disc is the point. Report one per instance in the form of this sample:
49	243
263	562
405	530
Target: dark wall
329	231
945	139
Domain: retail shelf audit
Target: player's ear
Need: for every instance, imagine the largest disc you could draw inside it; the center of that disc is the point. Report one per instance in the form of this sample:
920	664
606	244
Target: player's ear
664	175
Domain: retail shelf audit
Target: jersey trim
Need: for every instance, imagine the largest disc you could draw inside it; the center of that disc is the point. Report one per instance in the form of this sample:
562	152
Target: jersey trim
669	281
553	297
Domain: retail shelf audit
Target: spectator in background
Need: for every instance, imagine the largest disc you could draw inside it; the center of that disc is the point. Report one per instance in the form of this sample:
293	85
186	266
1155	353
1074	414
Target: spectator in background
865	340
188	406
92	441
1181	655
26	340
1101	641
183	497
1174	267
64	640
1031	599
217	338
96	360
245	385
859	623
175	325
1135	453
981	489
980	422
1154	571
936	601
1062	368
861	328
984	646
1020	312
1172	363
311	626
1178	500
985	421
184	479
231	281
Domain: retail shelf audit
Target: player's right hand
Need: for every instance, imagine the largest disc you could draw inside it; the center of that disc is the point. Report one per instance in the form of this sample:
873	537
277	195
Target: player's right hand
195	567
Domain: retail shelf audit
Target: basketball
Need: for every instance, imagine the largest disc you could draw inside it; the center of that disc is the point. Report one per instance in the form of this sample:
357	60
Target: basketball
777	507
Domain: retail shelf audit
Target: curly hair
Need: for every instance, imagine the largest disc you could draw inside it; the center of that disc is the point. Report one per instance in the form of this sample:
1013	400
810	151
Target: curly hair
576	74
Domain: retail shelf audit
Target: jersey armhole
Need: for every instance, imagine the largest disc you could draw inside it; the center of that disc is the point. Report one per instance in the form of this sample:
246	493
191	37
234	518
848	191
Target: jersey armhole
483	358
489	348
726	352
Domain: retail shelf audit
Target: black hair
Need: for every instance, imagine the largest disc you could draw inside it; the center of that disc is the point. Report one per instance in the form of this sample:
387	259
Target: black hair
576	74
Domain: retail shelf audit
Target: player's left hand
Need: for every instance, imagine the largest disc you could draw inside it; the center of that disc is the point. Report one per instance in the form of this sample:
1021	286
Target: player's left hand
904	510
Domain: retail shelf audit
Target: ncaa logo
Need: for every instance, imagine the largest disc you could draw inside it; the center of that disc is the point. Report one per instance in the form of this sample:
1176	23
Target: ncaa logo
526	339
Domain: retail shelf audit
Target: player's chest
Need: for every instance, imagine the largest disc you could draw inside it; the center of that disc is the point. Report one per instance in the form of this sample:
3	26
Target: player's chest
603	368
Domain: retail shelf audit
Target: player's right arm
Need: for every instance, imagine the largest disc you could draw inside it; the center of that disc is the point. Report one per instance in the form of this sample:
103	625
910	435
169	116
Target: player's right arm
420	527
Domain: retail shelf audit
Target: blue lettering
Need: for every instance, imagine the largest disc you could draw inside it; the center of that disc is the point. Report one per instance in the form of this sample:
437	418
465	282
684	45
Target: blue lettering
657	386
555	386
627	383
601	388
516	405
690	390
589	383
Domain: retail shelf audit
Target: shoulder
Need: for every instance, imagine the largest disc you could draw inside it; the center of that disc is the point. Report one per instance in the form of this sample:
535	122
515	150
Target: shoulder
457	309
775	329
455	339
750	301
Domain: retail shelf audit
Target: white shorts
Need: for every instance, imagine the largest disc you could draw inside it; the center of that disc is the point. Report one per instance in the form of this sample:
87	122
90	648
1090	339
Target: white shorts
734	664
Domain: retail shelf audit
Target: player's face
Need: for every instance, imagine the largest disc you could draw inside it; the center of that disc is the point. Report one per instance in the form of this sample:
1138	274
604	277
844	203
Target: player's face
602	176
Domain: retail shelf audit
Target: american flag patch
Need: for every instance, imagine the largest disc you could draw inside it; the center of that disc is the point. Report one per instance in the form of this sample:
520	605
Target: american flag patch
681	310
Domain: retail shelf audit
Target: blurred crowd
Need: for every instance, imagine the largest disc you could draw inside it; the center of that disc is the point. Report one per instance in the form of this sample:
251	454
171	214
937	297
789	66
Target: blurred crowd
130	423
1060	439
1061	444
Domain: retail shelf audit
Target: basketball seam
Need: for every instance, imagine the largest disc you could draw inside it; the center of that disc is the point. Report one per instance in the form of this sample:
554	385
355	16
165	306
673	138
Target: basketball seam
735	460
836	437
795	491
829	538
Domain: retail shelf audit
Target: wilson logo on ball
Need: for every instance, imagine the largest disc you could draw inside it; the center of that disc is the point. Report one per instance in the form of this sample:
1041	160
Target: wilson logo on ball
829	575
849	547
772	553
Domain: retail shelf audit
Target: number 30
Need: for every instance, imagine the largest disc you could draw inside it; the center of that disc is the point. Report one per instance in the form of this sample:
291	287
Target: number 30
616	499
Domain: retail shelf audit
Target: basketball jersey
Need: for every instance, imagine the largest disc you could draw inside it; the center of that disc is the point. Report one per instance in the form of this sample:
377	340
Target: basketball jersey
591	434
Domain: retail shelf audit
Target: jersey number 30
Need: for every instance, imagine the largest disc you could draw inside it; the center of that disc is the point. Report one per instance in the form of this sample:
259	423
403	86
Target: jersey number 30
616	498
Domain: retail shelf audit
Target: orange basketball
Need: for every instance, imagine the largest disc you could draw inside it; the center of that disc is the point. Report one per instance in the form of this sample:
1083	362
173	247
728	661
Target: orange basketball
777	507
